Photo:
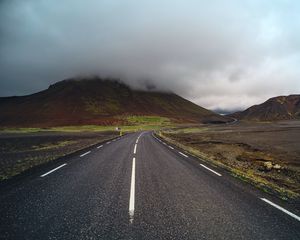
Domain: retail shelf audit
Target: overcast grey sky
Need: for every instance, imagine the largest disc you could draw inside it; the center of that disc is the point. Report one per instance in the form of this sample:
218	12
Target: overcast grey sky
219	54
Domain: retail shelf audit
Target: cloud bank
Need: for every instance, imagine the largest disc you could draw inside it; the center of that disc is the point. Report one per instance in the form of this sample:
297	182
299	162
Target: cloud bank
220	54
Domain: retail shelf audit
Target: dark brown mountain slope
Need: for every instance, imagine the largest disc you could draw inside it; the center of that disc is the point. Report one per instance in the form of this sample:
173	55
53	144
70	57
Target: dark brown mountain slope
96	101
277	108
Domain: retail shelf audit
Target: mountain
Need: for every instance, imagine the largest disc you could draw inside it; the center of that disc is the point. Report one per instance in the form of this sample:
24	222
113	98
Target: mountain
97	101
276	108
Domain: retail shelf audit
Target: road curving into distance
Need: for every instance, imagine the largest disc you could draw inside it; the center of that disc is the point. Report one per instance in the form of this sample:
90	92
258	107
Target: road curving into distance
139	187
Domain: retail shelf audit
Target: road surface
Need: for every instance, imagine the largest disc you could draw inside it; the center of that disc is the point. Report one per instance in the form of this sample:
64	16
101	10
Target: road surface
138	187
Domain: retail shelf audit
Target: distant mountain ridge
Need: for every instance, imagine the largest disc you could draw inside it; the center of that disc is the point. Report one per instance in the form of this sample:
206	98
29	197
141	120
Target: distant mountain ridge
97	101
274	109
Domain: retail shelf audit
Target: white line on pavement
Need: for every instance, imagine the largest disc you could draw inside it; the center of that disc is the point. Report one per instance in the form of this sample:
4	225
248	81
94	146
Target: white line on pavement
134	150
211	170
183	154
164	143
171	147
132	192
82	155
45	174
281	209
100	146
108	143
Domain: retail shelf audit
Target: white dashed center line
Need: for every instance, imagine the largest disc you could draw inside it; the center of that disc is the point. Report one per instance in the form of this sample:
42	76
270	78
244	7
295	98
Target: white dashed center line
171	147
134	150
132	185
132	192
100	146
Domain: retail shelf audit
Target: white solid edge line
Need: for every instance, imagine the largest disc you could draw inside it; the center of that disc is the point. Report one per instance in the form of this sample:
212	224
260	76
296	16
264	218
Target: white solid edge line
211	170
132	192
45	174
281	209
100	146
134	150
82	155
171	147
183	154
136	142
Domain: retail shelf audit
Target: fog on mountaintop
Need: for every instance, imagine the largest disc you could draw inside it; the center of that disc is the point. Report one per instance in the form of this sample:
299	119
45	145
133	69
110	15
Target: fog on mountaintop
219	55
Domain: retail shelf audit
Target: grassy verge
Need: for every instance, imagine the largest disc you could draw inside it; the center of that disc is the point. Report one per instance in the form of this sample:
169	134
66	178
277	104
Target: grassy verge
247	175
135	123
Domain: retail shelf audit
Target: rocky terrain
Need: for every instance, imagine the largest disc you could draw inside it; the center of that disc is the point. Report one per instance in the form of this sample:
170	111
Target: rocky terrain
274	109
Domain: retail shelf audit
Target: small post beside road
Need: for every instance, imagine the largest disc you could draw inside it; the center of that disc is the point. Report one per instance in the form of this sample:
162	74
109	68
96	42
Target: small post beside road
119	129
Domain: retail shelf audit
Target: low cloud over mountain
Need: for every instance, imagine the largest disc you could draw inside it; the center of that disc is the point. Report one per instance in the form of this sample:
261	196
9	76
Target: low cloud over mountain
222	56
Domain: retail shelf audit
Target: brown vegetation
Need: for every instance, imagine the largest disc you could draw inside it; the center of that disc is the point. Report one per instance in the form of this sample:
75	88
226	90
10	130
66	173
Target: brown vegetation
267	154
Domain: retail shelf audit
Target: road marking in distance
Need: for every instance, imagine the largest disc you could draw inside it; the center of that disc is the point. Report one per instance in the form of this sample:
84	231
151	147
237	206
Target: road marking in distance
211	170
281	209
100	146
136	142
134	150
108	143
132	192
82	155
183	154
45	174
171	147
164	143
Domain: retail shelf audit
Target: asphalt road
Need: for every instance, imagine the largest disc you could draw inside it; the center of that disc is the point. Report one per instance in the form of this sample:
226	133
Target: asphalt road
138	187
